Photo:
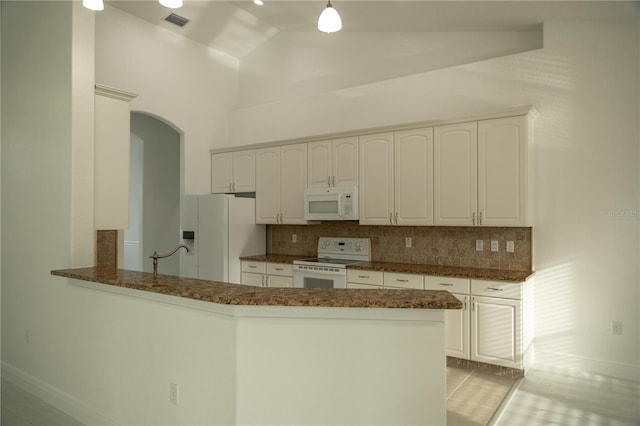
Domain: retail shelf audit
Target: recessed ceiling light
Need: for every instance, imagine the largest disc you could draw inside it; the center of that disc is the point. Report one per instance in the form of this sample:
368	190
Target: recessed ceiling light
258	2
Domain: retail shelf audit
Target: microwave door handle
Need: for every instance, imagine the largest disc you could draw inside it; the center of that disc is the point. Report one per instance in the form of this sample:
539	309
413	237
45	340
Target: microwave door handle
340	205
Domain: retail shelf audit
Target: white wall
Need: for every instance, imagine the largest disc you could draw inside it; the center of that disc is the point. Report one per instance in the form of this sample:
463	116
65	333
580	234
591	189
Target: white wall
584	83
182	82
295	64
107	358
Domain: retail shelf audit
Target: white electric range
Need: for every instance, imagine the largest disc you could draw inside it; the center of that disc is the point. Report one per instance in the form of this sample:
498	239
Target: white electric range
329	269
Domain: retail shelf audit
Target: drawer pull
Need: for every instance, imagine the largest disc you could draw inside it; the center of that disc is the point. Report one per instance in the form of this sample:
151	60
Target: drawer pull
253	266
402	281
446	284
364	276
278	269
494	289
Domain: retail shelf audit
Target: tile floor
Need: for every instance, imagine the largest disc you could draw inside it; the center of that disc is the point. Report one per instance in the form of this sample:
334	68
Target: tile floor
473	396
567	397
544	397
20	408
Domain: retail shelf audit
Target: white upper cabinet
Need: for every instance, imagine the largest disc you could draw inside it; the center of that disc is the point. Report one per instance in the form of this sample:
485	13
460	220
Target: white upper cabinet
281	177
333	163
396	178
233	172
481	173
503	172
268	185
413	175
376	179
455	174
112	148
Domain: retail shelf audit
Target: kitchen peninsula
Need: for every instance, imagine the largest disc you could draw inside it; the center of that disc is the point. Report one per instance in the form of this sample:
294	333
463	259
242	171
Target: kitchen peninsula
309	356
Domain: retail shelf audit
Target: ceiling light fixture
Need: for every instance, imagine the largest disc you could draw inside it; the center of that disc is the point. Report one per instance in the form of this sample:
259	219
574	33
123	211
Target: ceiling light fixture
93	4
329	21
171	4
258	2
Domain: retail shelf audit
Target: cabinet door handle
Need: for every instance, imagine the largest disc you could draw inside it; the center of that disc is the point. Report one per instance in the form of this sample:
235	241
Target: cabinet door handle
446	284
391	218
328	180
334	180
494	289
480	218
230	188
396	218
474	218
363	276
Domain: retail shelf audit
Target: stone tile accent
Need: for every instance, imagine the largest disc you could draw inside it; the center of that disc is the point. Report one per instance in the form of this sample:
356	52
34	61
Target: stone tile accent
432	245
107	248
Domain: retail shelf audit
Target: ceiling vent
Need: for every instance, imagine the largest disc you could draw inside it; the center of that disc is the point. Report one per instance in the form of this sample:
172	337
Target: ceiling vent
177	20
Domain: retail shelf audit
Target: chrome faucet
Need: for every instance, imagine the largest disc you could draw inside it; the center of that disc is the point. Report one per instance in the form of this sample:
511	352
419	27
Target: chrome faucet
157	256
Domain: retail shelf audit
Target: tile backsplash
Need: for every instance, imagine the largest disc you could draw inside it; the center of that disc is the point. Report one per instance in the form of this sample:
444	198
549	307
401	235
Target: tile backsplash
441	245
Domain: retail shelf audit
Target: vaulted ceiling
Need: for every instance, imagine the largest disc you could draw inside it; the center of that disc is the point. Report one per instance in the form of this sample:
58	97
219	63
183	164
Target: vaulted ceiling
238	27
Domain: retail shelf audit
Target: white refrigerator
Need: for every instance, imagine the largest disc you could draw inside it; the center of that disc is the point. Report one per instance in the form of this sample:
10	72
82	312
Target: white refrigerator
223	229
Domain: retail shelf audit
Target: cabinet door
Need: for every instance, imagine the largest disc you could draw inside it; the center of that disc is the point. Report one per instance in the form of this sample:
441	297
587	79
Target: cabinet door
376	179
457	329
279	281
345	162
293	181
244	171
256	280
496	331
319	164
502	172
413	155
455	174
268	185
221	173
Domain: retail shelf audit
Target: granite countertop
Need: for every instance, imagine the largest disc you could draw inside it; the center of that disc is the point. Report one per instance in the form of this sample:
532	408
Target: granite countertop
410	268
236	294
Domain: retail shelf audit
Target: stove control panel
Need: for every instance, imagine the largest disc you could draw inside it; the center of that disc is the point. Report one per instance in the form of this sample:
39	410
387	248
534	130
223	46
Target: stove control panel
331	246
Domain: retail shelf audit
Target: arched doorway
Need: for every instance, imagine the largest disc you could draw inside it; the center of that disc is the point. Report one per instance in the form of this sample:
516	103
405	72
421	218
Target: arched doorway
155	194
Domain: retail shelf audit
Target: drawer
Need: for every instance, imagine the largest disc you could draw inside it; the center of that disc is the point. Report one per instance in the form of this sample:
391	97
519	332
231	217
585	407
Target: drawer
254	267
360	285
453	285
283	269
364	277
502	289
395	280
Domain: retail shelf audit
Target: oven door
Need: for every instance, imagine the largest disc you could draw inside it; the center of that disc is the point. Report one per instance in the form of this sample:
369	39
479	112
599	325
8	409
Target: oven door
319	277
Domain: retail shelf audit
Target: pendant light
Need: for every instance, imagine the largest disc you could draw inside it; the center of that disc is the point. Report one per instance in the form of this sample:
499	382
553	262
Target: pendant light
171	4
93	4
329	21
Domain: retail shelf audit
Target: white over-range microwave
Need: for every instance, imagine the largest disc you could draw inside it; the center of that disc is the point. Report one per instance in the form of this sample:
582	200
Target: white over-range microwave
335	203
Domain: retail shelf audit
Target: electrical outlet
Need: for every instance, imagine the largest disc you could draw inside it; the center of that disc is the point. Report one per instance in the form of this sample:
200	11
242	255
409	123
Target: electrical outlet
173	393
407	242
294	238
494	245
479	245
510	247
616	328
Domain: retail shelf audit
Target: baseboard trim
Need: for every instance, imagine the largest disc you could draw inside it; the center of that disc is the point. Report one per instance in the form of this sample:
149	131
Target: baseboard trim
61	400
556	360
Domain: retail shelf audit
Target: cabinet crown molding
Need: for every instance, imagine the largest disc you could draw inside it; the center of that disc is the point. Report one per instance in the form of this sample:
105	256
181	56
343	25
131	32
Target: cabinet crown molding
112	92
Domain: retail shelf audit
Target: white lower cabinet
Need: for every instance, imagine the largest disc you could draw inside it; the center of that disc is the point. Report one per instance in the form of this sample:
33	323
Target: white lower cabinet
492	327
364	279
403	281
264	274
